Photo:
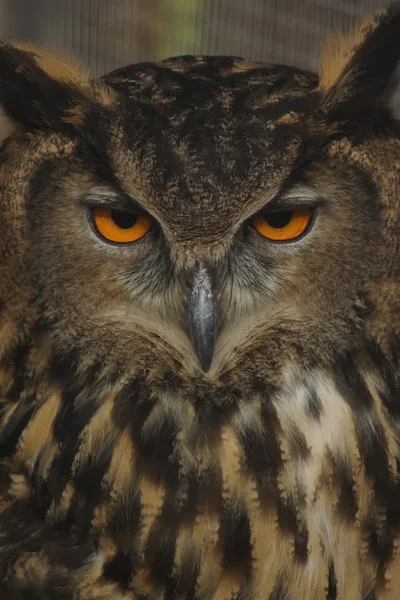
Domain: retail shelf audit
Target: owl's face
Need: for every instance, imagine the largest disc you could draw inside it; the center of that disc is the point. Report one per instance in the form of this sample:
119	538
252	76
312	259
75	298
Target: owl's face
204	210
208	276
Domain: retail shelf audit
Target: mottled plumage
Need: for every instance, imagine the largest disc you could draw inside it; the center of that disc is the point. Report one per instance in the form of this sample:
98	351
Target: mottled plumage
132	468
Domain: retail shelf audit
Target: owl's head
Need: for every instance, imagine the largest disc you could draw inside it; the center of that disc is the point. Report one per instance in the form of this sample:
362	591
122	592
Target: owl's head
206	212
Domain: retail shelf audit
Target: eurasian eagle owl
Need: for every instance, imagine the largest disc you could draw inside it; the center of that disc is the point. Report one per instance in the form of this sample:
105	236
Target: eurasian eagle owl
199	327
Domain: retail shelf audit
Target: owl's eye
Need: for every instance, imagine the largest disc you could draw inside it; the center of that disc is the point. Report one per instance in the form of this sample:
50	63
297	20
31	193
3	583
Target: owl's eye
120	227
283	226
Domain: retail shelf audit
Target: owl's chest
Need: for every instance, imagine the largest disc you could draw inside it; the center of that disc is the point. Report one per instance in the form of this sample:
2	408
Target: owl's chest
264	496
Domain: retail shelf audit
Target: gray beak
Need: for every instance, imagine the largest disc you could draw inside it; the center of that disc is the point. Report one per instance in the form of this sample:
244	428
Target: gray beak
203	315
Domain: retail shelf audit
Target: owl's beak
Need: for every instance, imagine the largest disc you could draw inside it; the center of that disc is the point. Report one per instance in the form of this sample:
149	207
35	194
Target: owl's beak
203	315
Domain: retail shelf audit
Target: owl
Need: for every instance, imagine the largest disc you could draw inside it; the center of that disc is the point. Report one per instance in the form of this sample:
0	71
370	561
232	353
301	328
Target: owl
200	327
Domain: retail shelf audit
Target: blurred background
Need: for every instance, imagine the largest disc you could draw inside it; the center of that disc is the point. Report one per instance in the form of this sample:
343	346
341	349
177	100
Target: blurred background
110	33
105	34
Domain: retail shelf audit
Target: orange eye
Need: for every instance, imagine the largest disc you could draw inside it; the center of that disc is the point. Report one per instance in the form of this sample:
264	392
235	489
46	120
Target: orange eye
283	226
119	226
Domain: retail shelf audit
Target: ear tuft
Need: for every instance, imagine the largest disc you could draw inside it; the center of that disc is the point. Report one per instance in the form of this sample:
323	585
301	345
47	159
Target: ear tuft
40	90
359	76
338	51
62	68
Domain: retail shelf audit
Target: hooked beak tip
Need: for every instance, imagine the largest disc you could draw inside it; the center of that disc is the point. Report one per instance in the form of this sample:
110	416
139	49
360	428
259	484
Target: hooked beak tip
205	359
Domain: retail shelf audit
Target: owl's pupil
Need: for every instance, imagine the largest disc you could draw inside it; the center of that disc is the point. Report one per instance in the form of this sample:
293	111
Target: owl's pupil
280	219
124	220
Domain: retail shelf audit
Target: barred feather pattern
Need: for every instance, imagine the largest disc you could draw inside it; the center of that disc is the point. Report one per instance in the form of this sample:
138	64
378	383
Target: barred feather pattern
127	488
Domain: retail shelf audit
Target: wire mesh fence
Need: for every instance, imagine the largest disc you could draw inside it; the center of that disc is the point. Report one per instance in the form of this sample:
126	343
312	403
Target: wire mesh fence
109	33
